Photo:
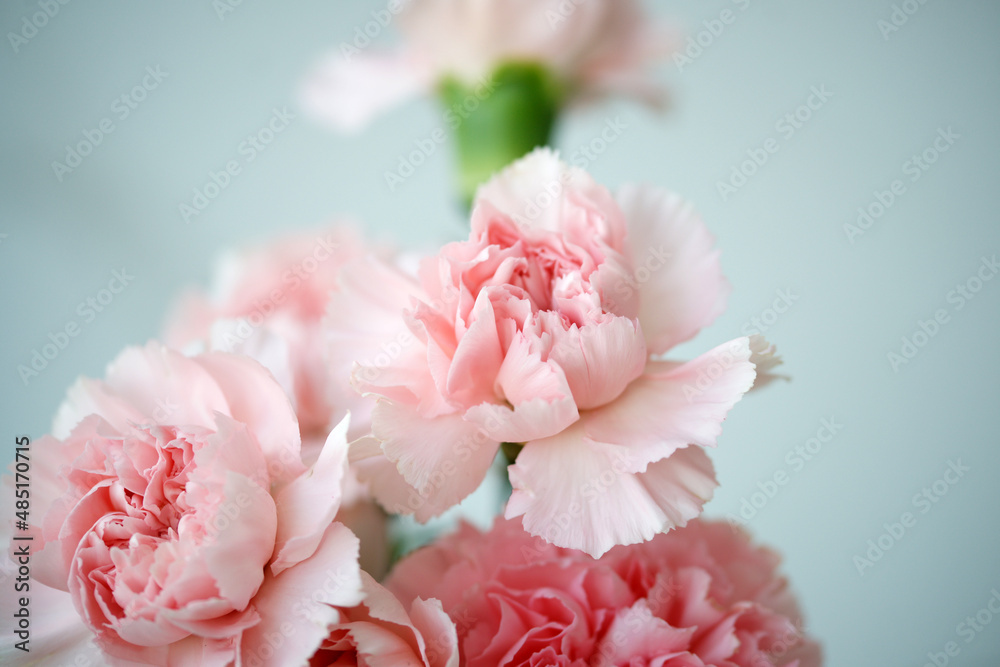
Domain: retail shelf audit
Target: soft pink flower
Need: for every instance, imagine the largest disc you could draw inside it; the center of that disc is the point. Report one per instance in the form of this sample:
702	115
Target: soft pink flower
269	302
594	49
695	597
379	632
545	328
273	303
180	519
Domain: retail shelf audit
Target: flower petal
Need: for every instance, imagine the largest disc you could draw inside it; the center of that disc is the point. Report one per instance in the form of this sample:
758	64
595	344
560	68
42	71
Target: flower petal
676	269
594	502
297	607
347	91
309	503
542	195
600	359
145	385
541	398
674	405
444	458
258	401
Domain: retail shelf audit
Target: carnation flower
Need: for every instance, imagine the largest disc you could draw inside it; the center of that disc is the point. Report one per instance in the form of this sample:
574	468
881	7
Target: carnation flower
180	521
546	328
696	597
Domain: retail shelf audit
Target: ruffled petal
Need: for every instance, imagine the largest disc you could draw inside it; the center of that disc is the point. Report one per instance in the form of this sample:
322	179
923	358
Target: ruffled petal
364	329
600	360
676	268
444	459
390	489
542	194
541	403
384	634
674	405
578	493
636	634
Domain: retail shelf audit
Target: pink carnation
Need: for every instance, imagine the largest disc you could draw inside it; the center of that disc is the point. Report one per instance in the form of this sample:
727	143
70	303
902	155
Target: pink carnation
594	48
696	597
546	328
180	520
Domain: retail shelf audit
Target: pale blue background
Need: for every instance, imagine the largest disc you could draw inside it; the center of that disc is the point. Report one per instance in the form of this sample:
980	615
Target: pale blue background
782	230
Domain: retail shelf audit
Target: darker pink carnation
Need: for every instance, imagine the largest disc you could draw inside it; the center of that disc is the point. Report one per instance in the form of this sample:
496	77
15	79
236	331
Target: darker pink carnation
698	596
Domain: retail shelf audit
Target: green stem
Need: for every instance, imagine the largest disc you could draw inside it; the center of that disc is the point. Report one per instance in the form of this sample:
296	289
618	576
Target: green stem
499	119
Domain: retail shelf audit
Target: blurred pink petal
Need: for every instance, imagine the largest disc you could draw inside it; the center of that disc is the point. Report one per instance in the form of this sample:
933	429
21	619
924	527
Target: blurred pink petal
348	93
593	49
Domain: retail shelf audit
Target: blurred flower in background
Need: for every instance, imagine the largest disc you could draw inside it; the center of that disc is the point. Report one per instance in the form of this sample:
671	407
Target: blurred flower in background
503	69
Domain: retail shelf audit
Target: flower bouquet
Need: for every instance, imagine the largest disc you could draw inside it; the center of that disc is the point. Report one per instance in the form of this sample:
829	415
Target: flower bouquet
231	495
